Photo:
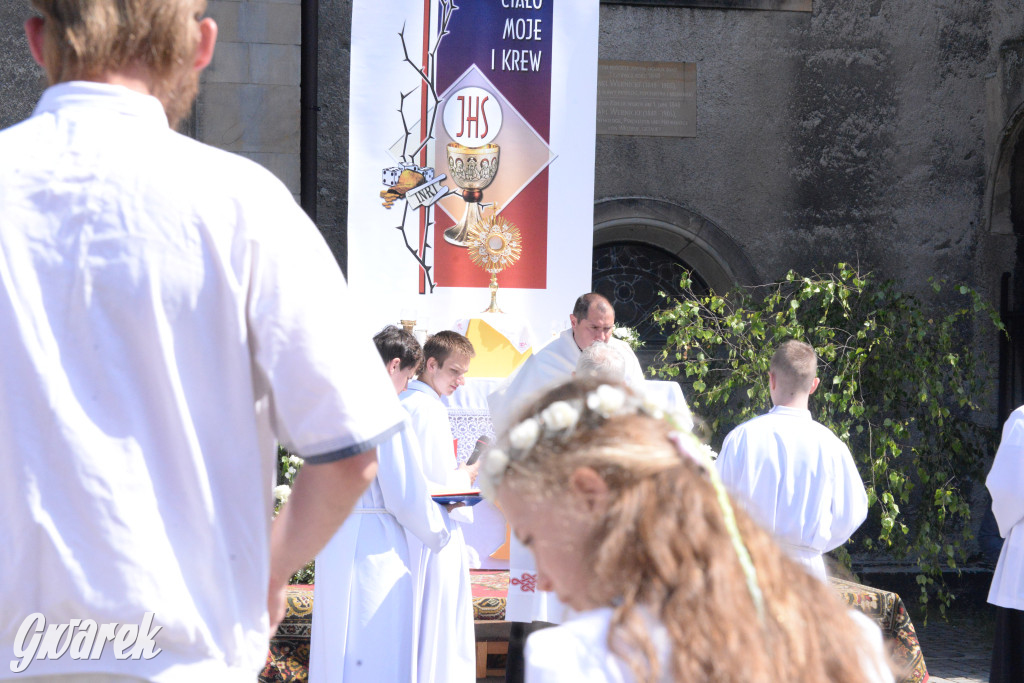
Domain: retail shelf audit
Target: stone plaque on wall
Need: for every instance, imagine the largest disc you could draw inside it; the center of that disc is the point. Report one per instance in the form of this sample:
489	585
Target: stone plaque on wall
789	5
647	98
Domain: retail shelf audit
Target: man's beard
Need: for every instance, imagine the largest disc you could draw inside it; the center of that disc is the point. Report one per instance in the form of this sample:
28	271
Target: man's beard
178	98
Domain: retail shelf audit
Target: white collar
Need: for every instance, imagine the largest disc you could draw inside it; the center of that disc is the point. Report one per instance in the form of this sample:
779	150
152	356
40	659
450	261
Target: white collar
792	412
423	388
115	98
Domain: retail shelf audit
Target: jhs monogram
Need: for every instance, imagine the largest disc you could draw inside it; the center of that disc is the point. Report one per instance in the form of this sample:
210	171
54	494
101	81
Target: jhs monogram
470	119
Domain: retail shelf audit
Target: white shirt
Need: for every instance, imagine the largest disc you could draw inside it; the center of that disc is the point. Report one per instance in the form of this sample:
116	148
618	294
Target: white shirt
168	313
798	480
1006	484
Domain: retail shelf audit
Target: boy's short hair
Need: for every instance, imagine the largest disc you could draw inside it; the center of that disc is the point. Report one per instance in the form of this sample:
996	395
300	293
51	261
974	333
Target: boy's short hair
795	365
443	344
394	342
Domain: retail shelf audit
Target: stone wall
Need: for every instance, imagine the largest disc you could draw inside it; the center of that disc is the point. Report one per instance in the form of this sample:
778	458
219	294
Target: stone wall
21	79
874	131
249	102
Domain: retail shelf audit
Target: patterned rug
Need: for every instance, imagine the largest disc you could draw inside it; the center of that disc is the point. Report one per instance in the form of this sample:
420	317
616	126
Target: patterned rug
288	658
489	590
888	611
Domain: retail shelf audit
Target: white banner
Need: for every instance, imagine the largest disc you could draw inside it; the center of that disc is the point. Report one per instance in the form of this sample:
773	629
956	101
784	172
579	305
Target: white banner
471	153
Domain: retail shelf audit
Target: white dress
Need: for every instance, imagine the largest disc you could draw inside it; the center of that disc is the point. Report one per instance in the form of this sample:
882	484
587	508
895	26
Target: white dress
363	607
798	480
444	598
1006	484
578	651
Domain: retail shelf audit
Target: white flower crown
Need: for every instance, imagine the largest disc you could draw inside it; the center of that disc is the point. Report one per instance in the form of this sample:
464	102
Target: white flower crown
558	421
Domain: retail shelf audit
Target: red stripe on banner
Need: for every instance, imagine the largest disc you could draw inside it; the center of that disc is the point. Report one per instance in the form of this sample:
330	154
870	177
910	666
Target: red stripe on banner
423	129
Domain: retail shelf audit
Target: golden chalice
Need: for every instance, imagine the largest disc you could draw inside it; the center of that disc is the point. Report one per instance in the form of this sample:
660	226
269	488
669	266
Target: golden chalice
472	169
494	245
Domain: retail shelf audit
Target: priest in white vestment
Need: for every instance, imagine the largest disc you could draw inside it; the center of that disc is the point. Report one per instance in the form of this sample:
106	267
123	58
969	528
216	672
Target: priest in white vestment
446	631
1005	482
792	474
364	601
592	320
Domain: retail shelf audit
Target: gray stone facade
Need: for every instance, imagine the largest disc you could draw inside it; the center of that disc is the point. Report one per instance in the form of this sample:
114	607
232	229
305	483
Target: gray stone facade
249	102
871	131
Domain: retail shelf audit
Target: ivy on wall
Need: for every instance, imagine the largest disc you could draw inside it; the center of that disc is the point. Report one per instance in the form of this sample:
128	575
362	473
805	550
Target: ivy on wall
900	384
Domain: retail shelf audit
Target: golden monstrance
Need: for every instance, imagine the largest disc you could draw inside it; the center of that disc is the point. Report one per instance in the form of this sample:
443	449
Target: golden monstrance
494	244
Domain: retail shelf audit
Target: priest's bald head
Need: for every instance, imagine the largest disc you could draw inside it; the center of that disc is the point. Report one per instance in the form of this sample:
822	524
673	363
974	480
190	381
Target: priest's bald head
592	319
792	374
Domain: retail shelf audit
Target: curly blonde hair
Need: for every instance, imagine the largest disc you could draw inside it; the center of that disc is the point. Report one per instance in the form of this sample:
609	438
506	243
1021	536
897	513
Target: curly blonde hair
662	548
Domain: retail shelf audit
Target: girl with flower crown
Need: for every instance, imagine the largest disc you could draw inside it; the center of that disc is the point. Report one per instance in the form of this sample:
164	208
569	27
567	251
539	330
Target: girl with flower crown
630	527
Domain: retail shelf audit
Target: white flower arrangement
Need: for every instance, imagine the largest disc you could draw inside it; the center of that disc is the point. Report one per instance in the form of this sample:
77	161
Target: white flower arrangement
560	416
282	492
628	335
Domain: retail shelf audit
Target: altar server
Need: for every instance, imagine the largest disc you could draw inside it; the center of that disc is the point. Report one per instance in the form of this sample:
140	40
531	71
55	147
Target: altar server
363	625
447	642
669	582
1006	484
794	476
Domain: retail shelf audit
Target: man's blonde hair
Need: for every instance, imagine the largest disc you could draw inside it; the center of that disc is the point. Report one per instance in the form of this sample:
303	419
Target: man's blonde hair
795	365
86	39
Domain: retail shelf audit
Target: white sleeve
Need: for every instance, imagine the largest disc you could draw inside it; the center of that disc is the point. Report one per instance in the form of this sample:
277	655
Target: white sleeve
1005	480
849	500
731	464
329	394
405	493
440	467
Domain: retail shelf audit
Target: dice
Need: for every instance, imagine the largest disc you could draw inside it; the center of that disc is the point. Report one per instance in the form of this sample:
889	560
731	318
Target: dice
390	175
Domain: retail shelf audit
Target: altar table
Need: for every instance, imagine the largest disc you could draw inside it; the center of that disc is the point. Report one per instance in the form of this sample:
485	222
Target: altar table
288	659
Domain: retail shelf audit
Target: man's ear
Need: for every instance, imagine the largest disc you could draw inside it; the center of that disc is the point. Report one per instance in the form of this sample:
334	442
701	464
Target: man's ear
207	41
573	321
771	380
814	386
394	365
591	488
35	28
